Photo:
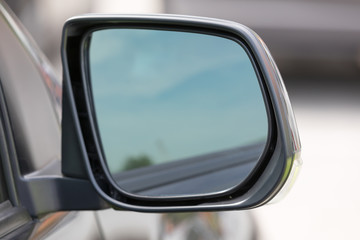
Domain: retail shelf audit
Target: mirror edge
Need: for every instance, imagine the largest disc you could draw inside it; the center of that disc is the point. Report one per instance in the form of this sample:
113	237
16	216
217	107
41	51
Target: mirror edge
279	152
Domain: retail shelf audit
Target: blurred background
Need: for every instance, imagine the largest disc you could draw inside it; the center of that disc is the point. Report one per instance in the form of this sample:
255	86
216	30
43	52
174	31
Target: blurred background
316	45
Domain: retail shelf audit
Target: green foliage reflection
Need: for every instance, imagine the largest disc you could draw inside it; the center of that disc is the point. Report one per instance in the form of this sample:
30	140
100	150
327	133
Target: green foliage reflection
134	162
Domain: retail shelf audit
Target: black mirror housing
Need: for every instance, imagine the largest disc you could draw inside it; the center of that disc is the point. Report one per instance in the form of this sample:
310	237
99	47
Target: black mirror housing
82	153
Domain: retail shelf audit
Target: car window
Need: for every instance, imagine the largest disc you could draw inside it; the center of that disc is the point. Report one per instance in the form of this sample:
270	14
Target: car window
35	125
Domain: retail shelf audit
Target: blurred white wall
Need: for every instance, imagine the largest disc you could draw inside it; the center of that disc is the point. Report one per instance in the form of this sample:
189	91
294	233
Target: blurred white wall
127	6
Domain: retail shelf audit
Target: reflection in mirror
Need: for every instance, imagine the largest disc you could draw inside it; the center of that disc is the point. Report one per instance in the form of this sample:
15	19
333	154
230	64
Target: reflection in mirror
178	113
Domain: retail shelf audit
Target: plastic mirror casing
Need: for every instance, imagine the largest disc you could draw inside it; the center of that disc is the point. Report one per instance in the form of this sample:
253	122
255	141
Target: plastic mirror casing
81	150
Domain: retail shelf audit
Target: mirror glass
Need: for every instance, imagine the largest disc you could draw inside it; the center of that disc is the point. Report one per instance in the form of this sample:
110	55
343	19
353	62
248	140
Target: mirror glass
178	113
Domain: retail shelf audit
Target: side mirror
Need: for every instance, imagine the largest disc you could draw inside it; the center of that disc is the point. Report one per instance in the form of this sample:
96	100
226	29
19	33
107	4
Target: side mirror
175	113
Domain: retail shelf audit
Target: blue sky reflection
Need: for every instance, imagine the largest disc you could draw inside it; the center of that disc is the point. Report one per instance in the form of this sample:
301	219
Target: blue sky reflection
172	95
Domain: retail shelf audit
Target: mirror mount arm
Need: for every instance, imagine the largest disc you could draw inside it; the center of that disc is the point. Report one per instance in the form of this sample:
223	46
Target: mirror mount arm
45	194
